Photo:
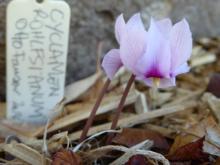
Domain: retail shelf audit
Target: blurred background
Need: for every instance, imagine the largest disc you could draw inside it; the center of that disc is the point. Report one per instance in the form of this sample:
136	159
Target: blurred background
92	28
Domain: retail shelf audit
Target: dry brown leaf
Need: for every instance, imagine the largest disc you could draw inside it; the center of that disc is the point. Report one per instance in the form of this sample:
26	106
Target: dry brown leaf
208	128
131	136
181	163
180	141
167	132
213	86
2	109
217	162
190	152
138	160
66	157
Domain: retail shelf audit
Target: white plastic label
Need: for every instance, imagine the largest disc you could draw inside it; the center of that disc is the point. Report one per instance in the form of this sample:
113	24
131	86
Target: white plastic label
37	43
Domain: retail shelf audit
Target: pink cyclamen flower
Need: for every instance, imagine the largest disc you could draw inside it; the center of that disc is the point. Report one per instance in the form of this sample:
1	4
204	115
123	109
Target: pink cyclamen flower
161	53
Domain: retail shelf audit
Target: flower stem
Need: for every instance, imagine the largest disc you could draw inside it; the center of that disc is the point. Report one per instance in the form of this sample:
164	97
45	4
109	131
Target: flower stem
120	106
94	110
154	92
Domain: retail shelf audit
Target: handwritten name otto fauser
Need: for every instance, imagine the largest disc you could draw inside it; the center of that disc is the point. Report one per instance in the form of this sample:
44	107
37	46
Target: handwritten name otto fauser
37	62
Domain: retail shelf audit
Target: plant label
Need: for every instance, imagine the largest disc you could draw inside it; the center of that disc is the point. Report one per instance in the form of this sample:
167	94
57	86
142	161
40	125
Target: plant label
37	44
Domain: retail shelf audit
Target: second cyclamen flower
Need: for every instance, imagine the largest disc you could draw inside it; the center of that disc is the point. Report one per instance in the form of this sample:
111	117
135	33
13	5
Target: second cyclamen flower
161	53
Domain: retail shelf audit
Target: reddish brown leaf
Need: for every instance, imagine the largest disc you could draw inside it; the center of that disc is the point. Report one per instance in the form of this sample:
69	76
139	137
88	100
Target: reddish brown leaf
189	152
181	163
213	86
217	162
66	157
132	136
180	141
137	160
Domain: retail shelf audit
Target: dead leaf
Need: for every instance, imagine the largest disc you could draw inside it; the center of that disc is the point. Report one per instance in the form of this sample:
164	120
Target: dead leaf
213	86
207	128
180	141
181	163
66	157
191	151
132	136
138	160
2	109
217	162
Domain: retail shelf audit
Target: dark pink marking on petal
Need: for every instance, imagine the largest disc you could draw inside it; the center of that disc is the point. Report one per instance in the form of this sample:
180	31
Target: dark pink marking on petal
154	73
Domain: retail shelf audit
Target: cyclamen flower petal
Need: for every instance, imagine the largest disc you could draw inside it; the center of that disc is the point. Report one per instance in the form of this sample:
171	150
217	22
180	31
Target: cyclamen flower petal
133	42
155	62
119	27
162	58
159	53
111	63
165	26
181	43
184	68
163	83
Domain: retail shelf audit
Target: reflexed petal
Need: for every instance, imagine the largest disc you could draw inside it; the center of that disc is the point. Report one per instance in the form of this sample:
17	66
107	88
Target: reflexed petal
156	60
164	83
184	68
133	42
181	43
111	63
119	27
165	26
